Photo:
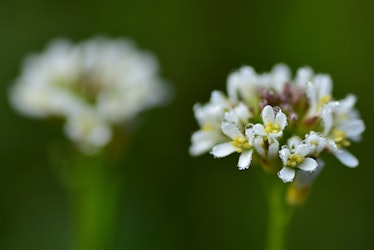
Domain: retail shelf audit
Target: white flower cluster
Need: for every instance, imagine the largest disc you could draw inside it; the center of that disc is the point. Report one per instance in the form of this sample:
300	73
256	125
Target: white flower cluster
282	122
94	85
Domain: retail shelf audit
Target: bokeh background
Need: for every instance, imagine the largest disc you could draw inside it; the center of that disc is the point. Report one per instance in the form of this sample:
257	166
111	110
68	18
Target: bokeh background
171	200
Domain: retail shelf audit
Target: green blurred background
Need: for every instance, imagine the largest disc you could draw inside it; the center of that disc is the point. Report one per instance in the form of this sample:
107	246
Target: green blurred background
171	200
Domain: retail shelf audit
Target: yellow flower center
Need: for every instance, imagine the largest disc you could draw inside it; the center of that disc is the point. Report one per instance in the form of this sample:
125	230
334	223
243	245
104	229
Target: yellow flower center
272	128
294	160
206	127
324	99
340	138
240	143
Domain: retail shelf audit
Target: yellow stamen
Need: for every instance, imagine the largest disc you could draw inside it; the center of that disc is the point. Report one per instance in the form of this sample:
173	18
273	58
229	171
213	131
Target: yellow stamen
294	160
241	144
324	99
340	138
272	128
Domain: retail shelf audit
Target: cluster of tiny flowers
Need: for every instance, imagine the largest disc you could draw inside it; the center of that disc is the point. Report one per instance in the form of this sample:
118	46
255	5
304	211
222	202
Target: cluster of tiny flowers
278	121
93	86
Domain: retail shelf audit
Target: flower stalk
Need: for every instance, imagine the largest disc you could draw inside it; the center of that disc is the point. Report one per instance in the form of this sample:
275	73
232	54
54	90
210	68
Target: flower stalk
280	214
93	186
94	193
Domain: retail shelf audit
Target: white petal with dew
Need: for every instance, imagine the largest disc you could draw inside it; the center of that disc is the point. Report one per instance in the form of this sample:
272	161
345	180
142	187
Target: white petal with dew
281	119
346	158
293	142
303	149
326	115
231	129
309	165
223	149
284	153
245	159
286	174
268	114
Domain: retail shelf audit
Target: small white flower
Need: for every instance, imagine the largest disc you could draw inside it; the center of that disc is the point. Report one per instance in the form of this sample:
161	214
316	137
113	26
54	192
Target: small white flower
242	84
107	80
318	91
316	141
233	126
276	79
209	117
341	124
274	123
294	156
343	117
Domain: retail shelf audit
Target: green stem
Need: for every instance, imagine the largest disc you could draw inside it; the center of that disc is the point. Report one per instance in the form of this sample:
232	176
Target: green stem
94	193
93	185
279	217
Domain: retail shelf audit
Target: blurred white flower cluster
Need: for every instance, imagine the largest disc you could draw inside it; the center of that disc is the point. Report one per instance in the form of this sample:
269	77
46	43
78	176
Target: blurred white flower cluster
93	85
280	122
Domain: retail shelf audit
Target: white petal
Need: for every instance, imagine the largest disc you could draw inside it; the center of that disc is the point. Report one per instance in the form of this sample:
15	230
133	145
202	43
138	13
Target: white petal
303	149
293	142
273	148
284	153
242	112
286	174
245	159
258	129
346	158
203	141
258	142
353	128
311	94
326	115
309	165
324	84
218	98
281	119
347	103
223	149
268	114
303	75
231	129
250	135
230	116
245	78
281	75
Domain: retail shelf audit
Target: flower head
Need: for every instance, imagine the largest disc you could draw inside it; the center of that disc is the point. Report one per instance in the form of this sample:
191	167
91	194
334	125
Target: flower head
294	155
93	86
282	122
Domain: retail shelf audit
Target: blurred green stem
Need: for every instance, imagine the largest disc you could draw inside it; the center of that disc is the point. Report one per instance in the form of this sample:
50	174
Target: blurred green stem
279	216
93	184
94	193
